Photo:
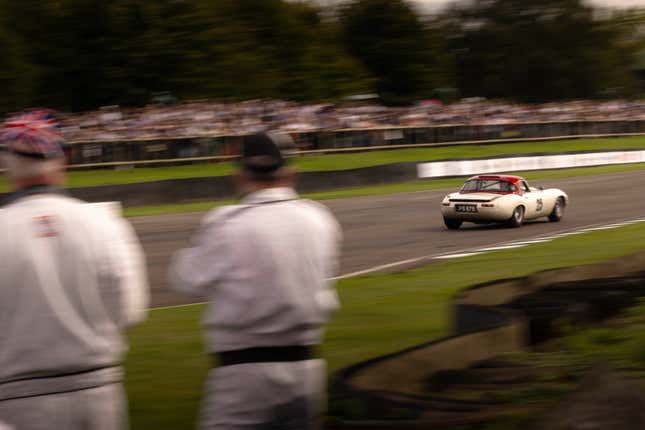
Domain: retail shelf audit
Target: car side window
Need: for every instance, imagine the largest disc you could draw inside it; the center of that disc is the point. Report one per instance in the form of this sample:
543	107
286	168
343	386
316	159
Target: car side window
525	187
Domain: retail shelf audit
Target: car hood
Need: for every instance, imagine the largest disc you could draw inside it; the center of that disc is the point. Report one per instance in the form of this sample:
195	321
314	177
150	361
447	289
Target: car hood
474	197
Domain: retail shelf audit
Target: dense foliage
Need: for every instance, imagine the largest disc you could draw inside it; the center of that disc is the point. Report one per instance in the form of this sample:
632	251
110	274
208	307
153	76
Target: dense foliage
537	51
80	54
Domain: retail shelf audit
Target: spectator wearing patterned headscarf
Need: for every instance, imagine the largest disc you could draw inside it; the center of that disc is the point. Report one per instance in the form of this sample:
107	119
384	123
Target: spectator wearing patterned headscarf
33	152
73	278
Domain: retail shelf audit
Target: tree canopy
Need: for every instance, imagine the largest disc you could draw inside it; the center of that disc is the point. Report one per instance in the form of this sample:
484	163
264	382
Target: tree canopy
81	54
537	51
388	37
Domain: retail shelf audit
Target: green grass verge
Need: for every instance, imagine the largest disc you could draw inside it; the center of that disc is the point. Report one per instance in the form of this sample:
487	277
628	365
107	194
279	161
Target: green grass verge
380	314
621	342
434	184
346	161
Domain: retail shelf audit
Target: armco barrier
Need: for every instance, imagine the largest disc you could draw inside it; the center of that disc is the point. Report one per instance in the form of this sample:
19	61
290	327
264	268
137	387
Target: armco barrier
395	391
158	192
200	148
173	191
220	187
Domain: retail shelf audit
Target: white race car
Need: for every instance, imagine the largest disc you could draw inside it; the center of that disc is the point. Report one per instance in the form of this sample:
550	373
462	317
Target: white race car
501	199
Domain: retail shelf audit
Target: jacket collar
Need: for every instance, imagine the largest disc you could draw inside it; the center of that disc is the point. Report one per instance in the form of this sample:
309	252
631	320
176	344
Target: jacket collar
269	195
30	191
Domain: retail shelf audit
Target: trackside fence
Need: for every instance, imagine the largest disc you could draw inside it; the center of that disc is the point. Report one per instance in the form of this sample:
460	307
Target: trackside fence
111	153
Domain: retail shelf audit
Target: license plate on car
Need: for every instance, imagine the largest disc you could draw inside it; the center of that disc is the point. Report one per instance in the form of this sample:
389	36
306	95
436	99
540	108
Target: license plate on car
466	208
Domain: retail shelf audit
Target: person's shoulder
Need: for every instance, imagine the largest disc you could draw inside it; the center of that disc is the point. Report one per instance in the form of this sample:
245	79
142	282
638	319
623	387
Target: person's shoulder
317	206
110	210
221	214
79	217
74	205
105	218
53	202
322	212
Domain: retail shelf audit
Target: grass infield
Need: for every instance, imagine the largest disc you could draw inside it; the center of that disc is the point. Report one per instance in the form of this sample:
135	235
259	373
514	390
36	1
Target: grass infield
97	177
380	314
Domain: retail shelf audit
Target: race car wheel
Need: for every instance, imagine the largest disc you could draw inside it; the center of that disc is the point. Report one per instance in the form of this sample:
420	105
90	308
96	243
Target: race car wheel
452	224
558	210
517	219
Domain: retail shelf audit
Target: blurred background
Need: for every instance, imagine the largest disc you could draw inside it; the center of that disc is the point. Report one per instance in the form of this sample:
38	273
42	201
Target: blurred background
166	82
78	55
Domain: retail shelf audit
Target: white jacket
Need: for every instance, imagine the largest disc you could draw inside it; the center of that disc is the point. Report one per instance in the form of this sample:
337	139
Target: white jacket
265	265
72	279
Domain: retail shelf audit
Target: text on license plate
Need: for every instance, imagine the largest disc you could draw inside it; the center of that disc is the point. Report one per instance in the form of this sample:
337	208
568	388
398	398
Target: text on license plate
466	208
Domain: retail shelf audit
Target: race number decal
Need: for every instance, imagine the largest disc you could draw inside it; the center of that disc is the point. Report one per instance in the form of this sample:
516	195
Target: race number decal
540	205
46	226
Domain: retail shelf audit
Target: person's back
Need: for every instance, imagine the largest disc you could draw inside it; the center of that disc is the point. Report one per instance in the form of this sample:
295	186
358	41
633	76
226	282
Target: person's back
274	289
60	296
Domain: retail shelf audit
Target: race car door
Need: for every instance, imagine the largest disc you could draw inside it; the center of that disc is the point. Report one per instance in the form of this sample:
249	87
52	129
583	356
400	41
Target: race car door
534	201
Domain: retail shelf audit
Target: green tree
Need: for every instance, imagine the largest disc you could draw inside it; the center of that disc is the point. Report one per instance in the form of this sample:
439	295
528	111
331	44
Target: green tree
628	25
389	38
80	54
258	48
537	51
16	73
64	43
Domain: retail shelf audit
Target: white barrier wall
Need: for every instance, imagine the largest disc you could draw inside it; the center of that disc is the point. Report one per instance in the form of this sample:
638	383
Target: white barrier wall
440	169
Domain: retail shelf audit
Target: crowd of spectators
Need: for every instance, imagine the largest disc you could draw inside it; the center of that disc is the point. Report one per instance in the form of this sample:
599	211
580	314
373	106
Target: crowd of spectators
213	118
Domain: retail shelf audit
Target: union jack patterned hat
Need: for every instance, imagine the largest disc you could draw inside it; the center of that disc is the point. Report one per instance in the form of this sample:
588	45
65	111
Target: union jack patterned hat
32	134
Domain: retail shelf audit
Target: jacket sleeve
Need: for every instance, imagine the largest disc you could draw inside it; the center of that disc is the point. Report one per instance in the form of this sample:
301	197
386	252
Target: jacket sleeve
193	270
128	264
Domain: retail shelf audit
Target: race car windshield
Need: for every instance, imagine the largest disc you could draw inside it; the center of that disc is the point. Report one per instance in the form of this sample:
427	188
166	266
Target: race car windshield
488	186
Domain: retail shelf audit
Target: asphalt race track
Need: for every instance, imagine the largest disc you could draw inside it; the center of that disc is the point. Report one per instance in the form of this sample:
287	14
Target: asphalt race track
384	229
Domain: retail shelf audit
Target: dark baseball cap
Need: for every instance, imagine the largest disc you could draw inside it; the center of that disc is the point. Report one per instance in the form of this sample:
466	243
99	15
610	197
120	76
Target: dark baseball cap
261	153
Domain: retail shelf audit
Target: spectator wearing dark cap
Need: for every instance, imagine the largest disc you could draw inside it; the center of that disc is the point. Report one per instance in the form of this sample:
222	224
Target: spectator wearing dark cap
73	278
265	266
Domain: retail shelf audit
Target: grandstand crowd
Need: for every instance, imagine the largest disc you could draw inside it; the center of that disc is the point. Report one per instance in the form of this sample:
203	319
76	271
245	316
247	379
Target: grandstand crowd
194	119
